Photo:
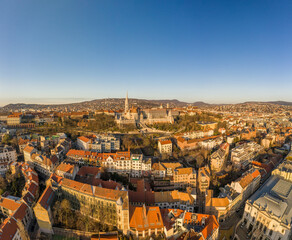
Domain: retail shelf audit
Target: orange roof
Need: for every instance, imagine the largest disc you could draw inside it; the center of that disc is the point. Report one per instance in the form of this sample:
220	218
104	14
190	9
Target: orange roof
144	218
181	171
158	167
66	167
220	202
8	229
10	204
163	142
247	179
105	237
47	197
86	170
93	190
181	139
22	141
84	139
20	212
28	149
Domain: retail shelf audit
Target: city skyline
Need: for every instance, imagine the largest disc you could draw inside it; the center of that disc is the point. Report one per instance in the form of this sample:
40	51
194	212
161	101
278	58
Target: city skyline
227	52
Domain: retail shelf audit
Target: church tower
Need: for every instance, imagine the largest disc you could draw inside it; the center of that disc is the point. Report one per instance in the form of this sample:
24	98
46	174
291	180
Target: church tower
126	104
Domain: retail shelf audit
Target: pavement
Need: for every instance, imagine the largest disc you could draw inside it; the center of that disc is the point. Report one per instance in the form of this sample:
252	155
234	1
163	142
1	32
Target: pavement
227	228
241	233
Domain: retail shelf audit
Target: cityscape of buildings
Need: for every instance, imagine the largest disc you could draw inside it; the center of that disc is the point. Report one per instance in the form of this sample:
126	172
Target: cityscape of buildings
145	120
228	178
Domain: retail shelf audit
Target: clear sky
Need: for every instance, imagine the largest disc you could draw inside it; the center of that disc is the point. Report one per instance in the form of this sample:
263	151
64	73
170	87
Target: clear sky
213	51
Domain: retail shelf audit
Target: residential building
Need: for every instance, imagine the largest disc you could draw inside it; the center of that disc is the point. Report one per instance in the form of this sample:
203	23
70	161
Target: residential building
111	205
136	165
42	164
99	143
243	154
204	176
187	225
184	177
43	211
218	158
165	147
175	199
284	170
67	170
14	119
7	155
145	221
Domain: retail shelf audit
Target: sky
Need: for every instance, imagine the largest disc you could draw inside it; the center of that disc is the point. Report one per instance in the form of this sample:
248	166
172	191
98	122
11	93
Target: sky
213	51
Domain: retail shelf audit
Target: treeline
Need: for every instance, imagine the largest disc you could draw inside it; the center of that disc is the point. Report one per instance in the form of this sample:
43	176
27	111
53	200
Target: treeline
187	123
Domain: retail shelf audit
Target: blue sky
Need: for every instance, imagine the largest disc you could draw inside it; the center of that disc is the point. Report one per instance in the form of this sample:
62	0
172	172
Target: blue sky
213	51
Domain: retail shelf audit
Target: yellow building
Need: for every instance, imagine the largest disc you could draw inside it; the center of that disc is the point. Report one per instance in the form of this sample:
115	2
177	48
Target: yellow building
107	205
42	211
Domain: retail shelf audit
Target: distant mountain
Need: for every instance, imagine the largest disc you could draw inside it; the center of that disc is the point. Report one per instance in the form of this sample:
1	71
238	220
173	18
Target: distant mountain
201	104
98	104
281	103
118	103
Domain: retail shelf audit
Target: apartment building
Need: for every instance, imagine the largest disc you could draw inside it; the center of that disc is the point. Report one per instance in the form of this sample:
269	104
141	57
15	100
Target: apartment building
165	147
99	143
284	170
42	164
218	158
204	176
67	170
206	142
43	211
112	206
232	196
175	199
145	221
181	223
244	153
7	155
247	184
184	177
14	119
136	165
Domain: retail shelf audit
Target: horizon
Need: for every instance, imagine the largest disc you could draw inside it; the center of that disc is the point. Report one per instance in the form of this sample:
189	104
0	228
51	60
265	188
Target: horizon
210	51
58	101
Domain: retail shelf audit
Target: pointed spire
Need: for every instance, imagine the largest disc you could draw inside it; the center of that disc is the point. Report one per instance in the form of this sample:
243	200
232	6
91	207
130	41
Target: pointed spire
126	103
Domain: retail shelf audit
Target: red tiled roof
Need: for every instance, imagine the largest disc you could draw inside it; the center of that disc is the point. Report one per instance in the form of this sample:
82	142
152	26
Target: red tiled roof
47	197
162	142
8	229
84	139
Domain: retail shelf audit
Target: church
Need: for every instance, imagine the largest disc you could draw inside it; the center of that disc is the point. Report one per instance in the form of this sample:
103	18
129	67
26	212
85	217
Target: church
136	115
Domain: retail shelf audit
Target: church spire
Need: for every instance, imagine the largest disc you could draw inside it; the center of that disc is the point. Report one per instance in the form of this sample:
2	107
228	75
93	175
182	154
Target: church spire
126	103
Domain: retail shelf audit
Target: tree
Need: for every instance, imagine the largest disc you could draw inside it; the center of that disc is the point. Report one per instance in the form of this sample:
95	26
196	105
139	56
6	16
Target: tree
3	184
6	139
66	211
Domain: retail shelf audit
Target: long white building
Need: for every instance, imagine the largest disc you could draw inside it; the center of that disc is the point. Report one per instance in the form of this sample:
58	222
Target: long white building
99	143
243	154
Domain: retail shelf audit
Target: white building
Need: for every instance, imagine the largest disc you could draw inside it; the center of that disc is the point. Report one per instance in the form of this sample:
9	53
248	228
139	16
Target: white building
165	146
243	154
7	155
99	143
268	213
